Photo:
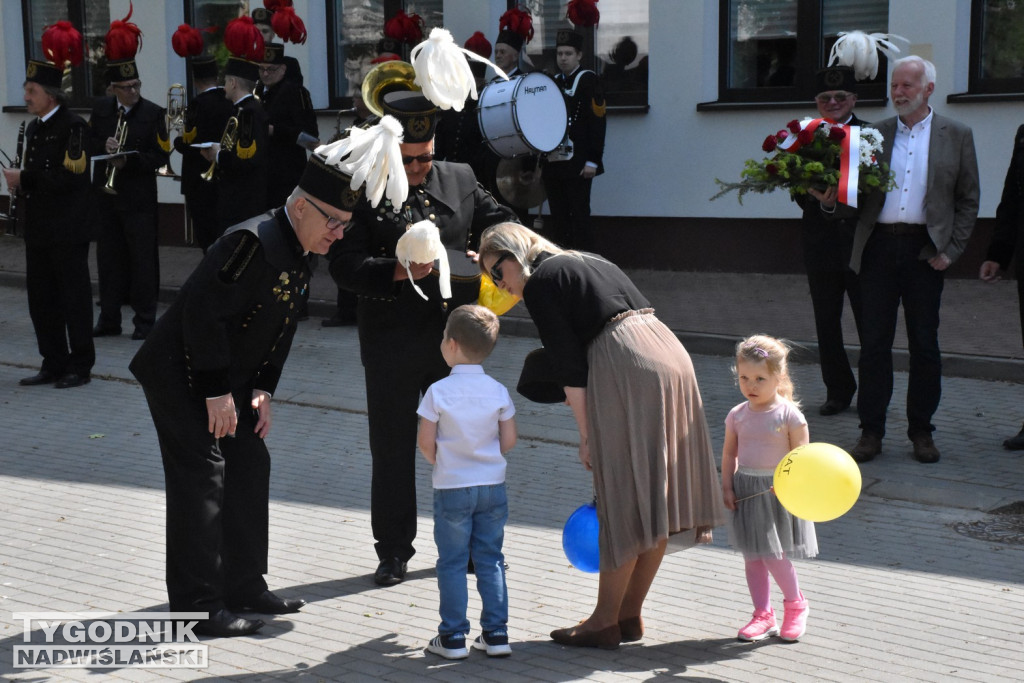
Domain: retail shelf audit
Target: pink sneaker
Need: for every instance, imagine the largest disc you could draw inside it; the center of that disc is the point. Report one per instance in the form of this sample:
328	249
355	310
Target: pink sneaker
794	622
760	627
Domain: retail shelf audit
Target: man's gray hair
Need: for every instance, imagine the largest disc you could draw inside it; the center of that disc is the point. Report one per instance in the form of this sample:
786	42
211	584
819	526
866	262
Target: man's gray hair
928	69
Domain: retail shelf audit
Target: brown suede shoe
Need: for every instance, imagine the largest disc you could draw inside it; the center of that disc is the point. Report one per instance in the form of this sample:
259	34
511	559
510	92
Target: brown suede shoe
924	449
606	638
868	446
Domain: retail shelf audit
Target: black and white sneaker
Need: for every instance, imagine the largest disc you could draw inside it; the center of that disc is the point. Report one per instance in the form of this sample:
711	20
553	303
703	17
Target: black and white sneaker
449	647
494	643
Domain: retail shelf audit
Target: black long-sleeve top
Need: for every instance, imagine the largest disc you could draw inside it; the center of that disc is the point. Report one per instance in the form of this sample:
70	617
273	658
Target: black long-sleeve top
570	299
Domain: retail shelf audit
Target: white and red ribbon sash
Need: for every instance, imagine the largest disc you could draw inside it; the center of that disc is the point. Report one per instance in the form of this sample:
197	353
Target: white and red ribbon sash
849	157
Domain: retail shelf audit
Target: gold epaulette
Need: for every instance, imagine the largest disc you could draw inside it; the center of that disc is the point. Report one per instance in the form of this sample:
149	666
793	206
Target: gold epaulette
247	152
240	258
76	165
189	135
75	159
599	109
165	143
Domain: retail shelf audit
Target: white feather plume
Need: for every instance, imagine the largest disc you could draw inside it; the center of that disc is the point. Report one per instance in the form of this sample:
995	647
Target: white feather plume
372	156
421	243
860	51
443	72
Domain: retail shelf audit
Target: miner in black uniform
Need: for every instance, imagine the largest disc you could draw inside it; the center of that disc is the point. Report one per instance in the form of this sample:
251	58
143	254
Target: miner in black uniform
568	182
205	117
242	165
1007	245
261	17
208	370
126	200
400	333
289	112
54	186
827	237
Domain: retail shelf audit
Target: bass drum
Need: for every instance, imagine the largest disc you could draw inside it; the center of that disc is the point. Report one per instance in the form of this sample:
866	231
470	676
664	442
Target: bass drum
523	115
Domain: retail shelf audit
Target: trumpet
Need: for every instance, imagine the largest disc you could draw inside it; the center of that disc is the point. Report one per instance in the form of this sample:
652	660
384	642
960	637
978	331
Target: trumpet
174	120
227	140
12	205
120	134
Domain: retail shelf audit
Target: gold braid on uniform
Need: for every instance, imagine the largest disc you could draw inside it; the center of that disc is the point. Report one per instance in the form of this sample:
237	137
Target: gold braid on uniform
240	258
245	148
74	156
598	109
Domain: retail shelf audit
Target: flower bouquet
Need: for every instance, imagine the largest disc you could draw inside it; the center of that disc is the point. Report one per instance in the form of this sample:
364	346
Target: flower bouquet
815	153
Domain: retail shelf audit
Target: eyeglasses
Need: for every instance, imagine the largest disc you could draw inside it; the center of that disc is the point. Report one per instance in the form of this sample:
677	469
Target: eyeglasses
839	97
332	222
128	86
496	273
422	158
273	68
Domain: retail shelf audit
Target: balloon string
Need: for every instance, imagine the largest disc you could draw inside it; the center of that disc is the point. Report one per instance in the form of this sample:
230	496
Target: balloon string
738	500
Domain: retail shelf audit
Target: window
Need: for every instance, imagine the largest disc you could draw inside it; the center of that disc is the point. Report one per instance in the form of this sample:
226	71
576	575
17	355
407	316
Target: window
997	46
212	17
92	19
617	50
770	50
354	27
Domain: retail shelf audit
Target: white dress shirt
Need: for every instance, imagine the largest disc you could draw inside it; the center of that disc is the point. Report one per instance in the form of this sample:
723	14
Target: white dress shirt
909	164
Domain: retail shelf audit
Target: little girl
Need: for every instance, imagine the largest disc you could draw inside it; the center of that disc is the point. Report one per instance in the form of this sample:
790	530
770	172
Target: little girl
758	433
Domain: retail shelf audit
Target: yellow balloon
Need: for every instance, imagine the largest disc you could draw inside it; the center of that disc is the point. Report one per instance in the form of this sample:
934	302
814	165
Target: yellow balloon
817	482
495	298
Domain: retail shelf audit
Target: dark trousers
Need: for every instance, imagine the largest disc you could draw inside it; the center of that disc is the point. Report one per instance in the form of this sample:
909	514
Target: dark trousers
129	267
217	504
393	390
60	305
891	272
201	204
569	200
829	290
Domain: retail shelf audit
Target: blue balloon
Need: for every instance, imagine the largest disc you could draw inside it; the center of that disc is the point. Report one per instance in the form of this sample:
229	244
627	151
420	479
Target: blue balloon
579	539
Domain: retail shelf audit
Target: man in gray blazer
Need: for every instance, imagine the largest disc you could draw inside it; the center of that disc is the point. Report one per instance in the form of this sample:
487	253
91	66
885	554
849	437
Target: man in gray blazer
905	239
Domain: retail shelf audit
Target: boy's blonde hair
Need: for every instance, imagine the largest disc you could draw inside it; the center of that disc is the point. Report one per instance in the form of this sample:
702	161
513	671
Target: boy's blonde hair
475	329
774	353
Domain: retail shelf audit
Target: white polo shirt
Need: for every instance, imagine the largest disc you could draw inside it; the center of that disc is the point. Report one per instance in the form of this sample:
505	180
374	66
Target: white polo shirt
467	406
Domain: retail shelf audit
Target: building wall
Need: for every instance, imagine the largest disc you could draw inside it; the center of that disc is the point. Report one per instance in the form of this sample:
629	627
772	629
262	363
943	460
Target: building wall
660	164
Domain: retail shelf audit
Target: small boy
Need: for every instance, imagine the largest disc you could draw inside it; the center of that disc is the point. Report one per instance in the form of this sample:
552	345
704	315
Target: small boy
467	424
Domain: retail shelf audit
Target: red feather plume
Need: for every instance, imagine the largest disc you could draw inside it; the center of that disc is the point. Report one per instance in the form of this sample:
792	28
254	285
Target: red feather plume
517	21
405	28
583	12
62	43
124	38
187	41
243	39
288	26
479	44
275	5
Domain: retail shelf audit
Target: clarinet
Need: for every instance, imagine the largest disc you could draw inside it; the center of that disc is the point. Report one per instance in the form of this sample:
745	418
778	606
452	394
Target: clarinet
12	206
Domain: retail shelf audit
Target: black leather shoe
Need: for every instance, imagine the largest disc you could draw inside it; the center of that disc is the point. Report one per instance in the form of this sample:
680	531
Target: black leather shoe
226	624
1014	443
42	377
924	449
337	320
72	379
833	406
268	603
105	331
390	572
868	446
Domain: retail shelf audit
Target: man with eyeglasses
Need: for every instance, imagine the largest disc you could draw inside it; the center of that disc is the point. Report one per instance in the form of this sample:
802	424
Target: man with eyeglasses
827	238
399	332
125	195
208	370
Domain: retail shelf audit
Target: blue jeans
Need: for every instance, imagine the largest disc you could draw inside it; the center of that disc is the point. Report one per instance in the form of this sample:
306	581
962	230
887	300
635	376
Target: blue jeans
891	273
471	522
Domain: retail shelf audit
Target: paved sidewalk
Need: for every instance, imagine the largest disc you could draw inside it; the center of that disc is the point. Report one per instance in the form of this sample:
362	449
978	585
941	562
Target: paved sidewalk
897	594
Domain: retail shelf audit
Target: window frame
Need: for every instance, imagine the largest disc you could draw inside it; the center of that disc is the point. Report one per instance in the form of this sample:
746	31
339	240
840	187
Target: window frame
79	95
976	83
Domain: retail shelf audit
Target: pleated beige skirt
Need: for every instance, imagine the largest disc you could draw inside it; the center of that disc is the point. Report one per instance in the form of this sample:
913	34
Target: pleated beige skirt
650	448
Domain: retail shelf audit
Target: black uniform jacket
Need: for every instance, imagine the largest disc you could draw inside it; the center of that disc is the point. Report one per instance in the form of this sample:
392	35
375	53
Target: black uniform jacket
290	112
231	327
205	118
391	314
243	167
1008	237
55	179
587	124
136	181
